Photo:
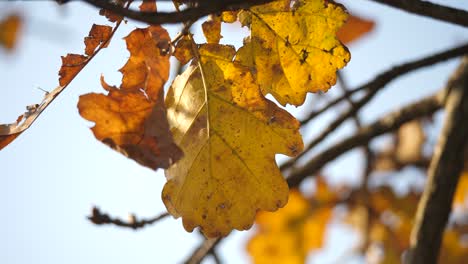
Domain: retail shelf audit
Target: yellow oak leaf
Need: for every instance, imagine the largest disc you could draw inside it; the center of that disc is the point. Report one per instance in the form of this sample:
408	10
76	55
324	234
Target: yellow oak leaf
294	48
287	236
229	134
132	119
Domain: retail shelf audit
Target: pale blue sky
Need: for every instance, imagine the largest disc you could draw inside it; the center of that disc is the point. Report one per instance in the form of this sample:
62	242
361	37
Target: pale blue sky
56	171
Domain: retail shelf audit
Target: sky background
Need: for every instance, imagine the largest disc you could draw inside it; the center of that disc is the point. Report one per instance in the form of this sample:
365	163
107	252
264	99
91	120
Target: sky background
53	174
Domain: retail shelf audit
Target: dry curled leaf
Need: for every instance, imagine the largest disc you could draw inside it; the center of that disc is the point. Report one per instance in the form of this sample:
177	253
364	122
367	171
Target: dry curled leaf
294	49
72	64
98	35
287	236
132	118
229	134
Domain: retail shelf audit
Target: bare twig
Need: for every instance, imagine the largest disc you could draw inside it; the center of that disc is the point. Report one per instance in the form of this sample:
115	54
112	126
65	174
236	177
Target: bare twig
100	218
444	171
428	9
200	253
384	125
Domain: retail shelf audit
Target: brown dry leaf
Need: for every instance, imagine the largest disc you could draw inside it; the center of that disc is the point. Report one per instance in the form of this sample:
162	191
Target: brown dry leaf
148	6
230	134
72	64
287	236
354	28
5	140
212	29
183	50
132	118
98	35
9	31
111	16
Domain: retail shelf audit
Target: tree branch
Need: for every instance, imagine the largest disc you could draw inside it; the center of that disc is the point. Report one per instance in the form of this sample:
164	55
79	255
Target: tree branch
428	9
386	124
203	8
443	174
100	218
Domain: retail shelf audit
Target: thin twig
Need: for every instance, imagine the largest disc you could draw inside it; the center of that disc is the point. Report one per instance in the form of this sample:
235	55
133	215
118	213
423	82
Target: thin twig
384	125
428	9
99	218
200	253
443	174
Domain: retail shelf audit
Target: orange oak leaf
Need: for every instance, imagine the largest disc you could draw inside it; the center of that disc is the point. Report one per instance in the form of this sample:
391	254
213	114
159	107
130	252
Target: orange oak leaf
132	118
9	29
354	28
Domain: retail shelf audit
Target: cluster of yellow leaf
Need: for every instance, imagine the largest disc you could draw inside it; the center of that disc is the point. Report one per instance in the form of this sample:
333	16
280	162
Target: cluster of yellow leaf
391	220
287	236
229	132
215	113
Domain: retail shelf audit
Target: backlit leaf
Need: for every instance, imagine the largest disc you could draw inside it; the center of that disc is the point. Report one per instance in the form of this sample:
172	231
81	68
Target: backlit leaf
183	50
229	134
294	49
148	6
287	236
212	29
354	28
97	35
72	64
9	29
132	119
